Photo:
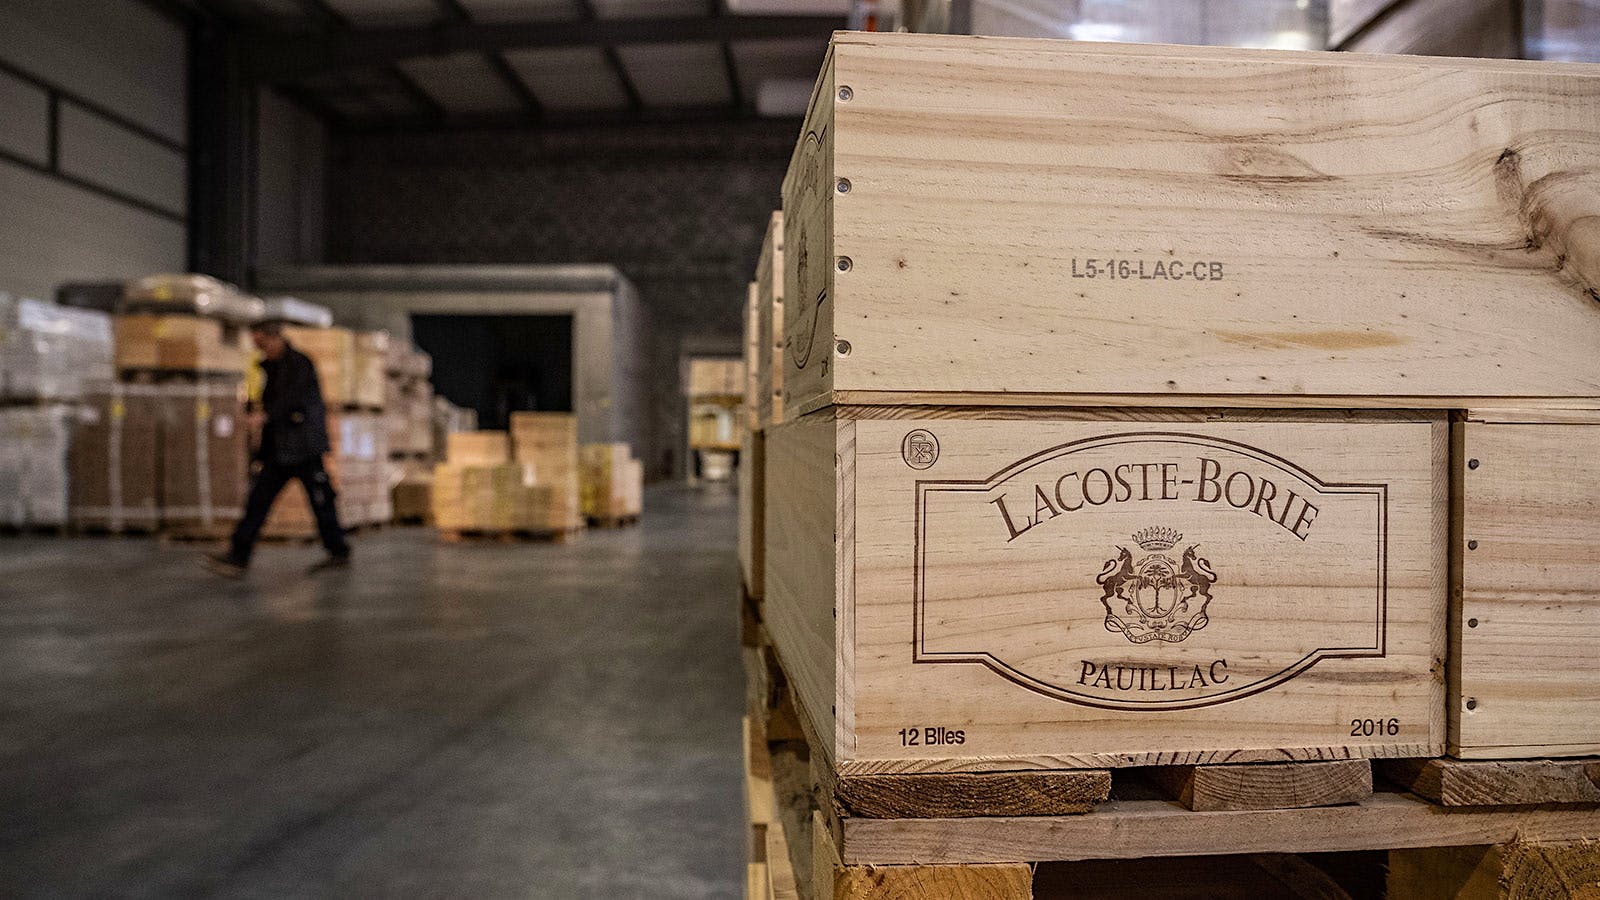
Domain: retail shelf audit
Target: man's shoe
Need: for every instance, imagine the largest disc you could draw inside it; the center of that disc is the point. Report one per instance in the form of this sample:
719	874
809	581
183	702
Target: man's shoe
223	564
332	562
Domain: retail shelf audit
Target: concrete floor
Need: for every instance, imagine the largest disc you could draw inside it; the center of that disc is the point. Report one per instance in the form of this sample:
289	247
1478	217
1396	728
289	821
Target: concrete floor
522	720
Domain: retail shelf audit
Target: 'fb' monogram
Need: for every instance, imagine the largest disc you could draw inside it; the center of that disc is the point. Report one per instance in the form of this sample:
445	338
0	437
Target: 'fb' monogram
920	449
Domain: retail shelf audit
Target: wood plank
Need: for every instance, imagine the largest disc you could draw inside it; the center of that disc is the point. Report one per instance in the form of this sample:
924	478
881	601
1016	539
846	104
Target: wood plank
1520	870
1454	782
975	634
985	794
1314	225
1141	828
1293	785
1009	882
1528	617
912	400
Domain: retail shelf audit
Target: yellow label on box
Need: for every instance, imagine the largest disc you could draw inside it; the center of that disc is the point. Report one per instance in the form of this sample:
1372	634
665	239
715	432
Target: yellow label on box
118	409
202	410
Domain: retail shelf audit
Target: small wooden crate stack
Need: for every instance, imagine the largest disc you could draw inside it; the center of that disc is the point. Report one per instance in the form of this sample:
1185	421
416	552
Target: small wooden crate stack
521	484
1219	423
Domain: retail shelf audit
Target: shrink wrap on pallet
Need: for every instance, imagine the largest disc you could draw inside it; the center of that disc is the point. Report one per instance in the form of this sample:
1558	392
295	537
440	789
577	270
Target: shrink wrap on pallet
188	293
549	443
33	464
49	352
296	311
611	481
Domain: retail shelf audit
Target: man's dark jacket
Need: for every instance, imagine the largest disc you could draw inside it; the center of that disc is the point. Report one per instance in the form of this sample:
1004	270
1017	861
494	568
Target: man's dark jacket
297	423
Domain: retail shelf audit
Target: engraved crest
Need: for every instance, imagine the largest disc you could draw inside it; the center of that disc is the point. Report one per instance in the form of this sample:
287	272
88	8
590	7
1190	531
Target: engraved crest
919	449
1156	597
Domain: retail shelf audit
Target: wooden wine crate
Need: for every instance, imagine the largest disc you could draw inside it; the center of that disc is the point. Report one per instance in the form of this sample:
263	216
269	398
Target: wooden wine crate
770	287
1525	675
1020	221
970	590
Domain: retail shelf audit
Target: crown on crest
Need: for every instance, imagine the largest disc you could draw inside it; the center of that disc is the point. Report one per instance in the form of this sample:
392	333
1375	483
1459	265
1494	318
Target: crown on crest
1157	538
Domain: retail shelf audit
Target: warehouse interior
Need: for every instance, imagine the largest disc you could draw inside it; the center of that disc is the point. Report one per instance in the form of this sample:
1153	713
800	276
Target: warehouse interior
534	253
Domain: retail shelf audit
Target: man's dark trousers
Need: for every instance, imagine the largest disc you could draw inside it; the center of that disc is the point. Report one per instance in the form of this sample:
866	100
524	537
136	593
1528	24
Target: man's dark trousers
264	488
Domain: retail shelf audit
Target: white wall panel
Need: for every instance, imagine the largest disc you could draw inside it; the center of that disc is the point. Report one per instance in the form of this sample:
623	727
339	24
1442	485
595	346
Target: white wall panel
53	232
106	154
118	53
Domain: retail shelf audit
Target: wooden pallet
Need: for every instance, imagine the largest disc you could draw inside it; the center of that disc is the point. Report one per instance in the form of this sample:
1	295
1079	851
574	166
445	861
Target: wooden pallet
486	536
986	835
613	521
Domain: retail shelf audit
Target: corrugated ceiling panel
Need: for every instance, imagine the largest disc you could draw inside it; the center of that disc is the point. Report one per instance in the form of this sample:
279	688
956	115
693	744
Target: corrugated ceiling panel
463	83
649	9
677	74
387	13
569	78
520	10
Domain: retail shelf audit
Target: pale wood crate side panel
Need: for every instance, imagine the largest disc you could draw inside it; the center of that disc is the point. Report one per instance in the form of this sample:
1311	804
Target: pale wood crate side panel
752	358
752	511
1532	583
808	264
800	562
1030	603
770	291
1365	243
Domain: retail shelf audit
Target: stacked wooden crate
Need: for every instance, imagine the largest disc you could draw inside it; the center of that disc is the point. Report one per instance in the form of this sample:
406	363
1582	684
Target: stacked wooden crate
521	484
611	482
1252	424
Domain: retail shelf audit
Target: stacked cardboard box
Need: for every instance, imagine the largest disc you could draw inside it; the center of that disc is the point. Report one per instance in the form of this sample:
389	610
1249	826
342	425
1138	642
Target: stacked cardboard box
172	454
369	354
408	401
153	342
611	481
450	419
549	443
204	455
357	465
116	459
332	351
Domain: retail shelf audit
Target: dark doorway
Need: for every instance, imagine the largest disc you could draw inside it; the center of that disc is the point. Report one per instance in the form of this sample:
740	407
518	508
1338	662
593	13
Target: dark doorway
499	364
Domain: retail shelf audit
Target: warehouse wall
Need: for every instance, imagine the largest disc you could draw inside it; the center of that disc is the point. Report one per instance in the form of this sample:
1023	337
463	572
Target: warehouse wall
291	183
680	209
93	126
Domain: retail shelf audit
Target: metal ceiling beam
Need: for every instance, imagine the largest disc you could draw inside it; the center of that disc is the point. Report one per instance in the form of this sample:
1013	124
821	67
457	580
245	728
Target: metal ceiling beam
279	57
453	11
586	13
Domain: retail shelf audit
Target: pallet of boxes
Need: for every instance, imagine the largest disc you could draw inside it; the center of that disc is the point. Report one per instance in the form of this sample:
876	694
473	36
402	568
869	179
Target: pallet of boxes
611	485
408	420
715	395
1211	479
520	484
350	368
163	443
50	356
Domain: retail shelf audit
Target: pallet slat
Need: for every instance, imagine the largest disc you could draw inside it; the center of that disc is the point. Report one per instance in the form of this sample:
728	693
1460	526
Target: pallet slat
1454	782
1294	785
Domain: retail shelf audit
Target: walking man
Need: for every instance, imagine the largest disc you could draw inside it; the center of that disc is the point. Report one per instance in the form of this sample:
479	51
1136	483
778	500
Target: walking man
294	436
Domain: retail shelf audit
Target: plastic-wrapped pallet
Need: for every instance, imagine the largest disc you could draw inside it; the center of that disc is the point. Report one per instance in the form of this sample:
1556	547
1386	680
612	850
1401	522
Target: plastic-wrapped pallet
49	352
199	295
296	311
33	464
